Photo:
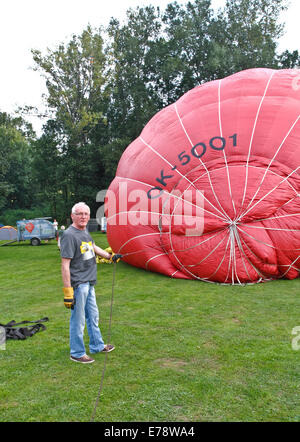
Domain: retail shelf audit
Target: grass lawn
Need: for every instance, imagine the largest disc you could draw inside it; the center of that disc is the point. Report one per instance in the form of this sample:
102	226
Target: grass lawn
185	350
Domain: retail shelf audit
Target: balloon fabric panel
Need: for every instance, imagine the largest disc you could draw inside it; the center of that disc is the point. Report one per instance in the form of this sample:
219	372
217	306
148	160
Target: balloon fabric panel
210	189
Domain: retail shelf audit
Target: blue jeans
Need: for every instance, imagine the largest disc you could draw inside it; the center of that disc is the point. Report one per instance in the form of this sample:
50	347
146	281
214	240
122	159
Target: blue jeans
85	310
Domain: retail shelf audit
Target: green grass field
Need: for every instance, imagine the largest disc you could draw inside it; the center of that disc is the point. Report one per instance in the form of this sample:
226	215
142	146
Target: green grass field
185	350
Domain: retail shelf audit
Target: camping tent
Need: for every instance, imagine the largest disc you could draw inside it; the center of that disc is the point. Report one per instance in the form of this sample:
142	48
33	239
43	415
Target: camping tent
8	233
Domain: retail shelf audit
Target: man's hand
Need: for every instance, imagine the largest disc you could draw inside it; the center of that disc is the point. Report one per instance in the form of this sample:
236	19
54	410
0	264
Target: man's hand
116	257
69	299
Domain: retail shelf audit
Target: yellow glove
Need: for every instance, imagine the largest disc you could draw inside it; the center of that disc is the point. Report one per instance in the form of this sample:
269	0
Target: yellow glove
104	260
69	299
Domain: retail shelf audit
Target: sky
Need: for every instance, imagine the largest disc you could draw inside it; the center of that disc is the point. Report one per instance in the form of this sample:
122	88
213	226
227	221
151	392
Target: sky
37	24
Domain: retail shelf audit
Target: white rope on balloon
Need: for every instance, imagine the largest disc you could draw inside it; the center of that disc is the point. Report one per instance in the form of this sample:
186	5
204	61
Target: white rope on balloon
252	135
200	160
270	163
171	195
224	154
270	191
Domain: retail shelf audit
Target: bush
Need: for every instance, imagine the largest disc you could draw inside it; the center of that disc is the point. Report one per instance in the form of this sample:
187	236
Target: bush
11	216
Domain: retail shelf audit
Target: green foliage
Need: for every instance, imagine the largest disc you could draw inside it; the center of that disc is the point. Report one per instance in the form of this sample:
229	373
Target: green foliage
74	76
15	165
18	123
111	154
133	54
250	33
289	60
191	33
75	80
11	216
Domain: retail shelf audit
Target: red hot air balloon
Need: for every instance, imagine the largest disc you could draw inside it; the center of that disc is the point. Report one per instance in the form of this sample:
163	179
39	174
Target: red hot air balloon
210	189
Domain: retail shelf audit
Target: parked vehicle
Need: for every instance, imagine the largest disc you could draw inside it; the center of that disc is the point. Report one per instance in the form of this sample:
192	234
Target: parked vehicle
35	230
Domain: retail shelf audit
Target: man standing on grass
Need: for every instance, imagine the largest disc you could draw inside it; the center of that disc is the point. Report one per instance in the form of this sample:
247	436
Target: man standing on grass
79	275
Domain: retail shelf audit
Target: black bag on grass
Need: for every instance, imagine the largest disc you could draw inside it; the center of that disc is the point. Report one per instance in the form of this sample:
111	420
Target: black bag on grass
13	331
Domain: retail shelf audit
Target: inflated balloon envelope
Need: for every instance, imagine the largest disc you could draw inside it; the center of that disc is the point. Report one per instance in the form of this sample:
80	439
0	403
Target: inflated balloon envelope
210	189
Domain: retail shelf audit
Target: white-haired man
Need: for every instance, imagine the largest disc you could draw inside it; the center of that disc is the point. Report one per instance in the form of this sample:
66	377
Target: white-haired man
79	275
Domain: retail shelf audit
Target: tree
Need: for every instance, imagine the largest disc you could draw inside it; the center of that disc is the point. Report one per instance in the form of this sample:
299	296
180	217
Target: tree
131	90
49	174
213	45
157	56
248	32
75	77
15	165
289	60
188	41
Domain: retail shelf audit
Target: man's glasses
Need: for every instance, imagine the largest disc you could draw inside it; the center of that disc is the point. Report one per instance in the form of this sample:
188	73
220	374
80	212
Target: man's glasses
81	214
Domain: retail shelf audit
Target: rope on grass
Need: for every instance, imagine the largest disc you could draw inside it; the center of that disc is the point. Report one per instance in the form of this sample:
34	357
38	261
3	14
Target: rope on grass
108	341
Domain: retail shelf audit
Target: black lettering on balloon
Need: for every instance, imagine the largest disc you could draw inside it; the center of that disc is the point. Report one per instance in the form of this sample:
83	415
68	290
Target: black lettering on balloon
212	143
163	178
216	143
194	150
152	197
234	139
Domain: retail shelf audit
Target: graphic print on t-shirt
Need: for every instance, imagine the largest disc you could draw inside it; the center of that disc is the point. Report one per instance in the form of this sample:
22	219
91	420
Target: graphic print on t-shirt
87	250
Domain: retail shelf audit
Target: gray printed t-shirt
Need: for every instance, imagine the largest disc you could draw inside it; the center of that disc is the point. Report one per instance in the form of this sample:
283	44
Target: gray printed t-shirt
78	245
